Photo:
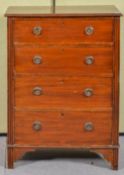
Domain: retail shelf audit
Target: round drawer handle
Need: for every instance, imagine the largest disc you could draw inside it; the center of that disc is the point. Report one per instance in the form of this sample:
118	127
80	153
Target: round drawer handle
89	30
37	59
37	30
37	91
89	60
88	126
37	126
88	92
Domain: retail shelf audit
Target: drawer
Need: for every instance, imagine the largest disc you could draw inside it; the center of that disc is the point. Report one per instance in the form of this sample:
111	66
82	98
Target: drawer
37	92
54	129
64	60
62	30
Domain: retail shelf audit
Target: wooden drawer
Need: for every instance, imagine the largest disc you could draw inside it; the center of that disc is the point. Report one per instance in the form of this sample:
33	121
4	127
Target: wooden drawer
64	60
37	92
63	128
62	30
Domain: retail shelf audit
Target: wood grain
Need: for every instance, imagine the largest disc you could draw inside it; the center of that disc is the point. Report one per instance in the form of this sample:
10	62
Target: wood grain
63	129
62	92
62	30
10	89
64	60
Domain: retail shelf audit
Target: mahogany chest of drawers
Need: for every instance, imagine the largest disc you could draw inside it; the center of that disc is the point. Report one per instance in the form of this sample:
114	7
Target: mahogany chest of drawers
63	80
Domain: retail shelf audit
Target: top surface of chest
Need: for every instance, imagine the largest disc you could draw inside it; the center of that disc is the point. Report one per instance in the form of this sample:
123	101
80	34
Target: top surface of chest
106	10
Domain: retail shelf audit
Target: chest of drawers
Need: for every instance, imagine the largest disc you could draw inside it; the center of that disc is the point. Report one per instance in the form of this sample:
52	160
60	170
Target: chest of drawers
63	80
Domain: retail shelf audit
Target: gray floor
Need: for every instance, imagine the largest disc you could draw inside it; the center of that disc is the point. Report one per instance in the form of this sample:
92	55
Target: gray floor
60	165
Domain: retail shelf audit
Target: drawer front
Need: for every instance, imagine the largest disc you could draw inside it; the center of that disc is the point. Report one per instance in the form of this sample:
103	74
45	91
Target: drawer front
64	60
63	92
63	128
63	30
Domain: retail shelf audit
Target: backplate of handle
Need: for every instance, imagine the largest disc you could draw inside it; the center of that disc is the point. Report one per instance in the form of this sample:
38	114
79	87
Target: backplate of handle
88	92
89	60
37	59
37	91
88	126
37	30
37	126
89	30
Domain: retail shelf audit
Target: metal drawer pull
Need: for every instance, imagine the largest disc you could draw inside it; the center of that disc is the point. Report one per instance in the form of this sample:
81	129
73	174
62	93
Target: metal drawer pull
88	126
88	92
37	30
37	126
37	91
37	59
89	30
89	60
